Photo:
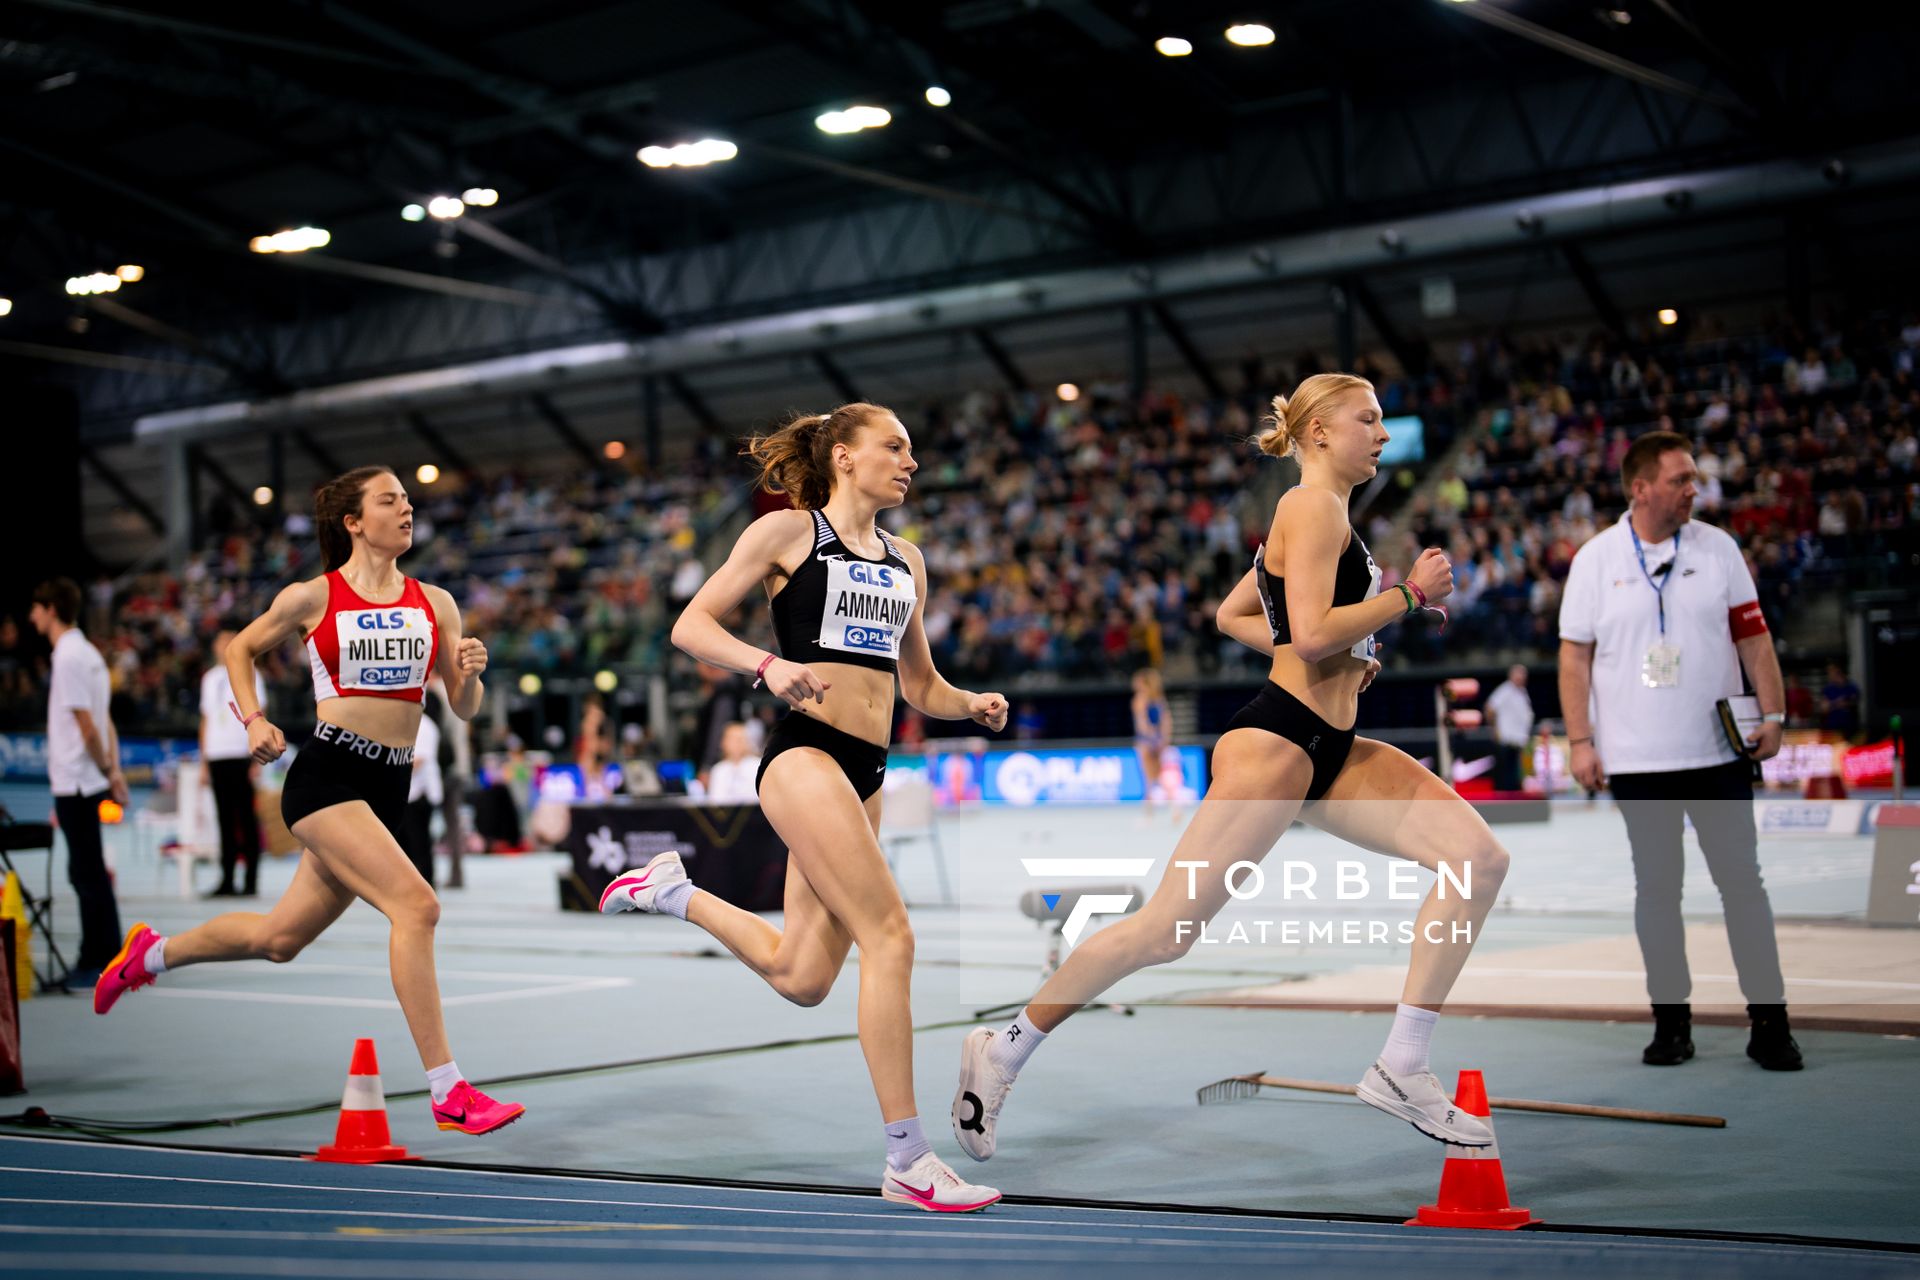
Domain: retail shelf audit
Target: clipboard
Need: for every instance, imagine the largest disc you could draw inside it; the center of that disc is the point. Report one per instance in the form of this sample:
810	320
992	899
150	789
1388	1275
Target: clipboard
1740	720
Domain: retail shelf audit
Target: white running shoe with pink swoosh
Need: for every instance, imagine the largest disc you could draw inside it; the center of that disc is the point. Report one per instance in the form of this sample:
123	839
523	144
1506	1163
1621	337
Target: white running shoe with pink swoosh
928	1183
636	890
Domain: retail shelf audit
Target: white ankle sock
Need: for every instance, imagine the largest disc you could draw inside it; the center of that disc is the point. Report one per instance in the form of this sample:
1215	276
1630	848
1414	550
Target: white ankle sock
1406	1051
156	958
673	899
1013	1046
905	1143
442	1079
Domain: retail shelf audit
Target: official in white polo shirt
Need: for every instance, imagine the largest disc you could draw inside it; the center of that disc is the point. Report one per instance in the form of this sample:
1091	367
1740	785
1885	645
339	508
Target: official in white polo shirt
83	767
1511	711
1658	617
226	764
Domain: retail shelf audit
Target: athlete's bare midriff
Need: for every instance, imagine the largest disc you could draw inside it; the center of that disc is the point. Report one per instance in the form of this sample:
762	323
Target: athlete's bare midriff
1331	686
860	701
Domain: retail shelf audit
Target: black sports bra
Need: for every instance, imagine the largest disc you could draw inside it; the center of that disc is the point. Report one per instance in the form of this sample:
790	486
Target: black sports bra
1355	578
841	607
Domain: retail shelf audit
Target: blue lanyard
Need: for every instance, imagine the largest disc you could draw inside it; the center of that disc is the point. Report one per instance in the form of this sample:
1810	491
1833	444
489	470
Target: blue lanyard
1660	587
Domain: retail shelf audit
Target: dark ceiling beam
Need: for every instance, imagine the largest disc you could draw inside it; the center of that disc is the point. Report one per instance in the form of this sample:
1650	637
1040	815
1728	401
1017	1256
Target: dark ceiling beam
1495	16
208	227
124	491
856	26
1595	288
253	377
200	459
519	94
214	235
1749	81
1184	344
316	451
451	458
609	98
206	30
837	378
910	186
107	360
693	403
632	316
558	423
990	345
1410	351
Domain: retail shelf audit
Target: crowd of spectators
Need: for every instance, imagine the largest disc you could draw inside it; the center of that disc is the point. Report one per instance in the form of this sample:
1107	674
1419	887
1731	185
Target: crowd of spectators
1081	540
1808	459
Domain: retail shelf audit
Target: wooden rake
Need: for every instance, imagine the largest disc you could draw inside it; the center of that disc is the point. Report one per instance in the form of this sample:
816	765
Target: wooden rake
1234	1088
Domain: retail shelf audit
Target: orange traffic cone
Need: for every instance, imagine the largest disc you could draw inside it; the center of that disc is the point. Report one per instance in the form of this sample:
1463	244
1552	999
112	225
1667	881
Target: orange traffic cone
362	1136
1473	1190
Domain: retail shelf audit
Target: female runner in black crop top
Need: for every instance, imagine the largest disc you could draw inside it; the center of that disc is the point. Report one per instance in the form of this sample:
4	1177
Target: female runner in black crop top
1312	601
847	603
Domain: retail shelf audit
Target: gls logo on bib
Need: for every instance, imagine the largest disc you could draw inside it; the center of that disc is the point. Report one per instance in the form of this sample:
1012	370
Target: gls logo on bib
384	648
868	606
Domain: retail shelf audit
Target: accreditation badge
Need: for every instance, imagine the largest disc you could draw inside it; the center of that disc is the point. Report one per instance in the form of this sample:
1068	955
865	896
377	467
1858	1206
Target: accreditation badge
1661	667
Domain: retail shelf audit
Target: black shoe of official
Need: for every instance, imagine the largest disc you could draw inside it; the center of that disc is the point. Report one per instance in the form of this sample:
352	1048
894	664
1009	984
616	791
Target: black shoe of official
224	891
1672	1036
1771	1042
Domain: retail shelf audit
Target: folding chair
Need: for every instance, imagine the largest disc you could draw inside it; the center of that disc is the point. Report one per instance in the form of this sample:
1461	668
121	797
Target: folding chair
35	837
909	815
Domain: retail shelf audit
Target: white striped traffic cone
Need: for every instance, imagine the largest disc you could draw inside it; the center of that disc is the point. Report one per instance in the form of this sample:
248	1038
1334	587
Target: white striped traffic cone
362	1136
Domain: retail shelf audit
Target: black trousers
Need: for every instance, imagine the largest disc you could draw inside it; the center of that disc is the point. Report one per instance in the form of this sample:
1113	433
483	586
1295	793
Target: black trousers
239	823
79	818
1719	800
417	828
1506	767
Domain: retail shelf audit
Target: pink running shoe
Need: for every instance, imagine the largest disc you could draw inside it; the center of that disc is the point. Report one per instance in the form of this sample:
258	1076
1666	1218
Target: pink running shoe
471	1111
127	971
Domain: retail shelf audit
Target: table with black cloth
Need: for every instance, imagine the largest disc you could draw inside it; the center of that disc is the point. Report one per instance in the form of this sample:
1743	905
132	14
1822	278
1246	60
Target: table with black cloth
730	849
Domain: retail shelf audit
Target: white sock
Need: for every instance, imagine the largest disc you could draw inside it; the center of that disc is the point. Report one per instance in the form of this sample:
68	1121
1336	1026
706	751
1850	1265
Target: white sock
441	1080
1406	1051
673	899
156	958
905	1143
1012	1047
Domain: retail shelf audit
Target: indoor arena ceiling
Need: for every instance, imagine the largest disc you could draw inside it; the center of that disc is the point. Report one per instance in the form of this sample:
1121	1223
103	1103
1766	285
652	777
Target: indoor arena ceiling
169	136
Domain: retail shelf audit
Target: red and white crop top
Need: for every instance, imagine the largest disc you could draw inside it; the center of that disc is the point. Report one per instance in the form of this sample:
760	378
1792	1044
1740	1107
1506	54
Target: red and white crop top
366	650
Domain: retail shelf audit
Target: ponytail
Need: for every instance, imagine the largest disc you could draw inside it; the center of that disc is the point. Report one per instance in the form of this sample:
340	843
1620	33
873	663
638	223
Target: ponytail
1285	427
796	458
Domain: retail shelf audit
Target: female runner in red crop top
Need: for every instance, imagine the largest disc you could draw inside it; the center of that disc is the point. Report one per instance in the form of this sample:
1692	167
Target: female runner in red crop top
373	636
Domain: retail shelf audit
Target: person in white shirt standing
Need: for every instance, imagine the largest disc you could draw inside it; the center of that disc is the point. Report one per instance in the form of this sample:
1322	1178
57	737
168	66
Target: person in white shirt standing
731	778
425	792
226	765
1511	711
1660	614
83	767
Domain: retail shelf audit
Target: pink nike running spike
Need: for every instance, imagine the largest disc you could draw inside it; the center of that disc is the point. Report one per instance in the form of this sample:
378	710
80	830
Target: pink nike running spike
128	970
471	1111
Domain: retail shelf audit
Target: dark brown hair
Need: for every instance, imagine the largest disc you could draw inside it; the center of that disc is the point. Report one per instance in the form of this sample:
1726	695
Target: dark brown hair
1643	456
796	458
62	595
333	502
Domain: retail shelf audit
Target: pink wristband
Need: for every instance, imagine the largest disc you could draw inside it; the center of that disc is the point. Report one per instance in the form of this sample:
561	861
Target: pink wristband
761	670
1418	594
244	720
